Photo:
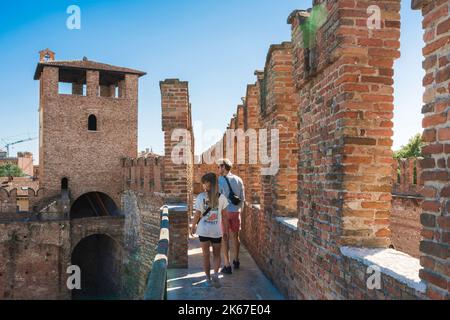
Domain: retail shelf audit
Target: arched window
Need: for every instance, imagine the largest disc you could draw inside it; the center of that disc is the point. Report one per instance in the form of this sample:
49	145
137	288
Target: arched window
92	123
64	184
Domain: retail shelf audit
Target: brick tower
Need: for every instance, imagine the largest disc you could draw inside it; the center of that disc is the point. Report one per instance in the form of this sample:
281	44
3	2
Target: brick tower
87	123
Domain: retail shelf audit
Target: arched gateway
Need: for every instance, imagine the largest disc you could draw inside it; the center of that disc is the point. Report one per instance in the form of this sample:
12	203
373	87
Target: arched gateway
99	257
93	204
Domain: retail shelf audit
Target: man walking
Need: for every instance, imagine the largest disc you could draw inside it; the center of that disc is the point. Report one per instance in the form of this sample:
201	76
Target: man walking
232	187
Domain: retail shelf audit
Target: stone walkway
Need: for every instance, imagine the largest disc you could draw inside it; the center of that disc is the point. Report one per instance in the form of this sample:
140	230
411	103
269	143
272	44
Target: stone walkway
247	283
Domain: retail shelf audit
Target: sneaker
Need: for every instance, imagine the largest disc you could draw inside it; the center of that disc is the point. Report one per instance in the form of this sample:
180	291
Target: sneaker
236	264
215	280
208	283
226	270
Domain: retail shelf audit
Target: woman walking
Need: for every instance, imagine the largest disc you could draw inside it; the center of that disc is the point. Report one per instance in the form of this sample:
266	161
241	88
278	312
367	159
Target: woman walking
211	224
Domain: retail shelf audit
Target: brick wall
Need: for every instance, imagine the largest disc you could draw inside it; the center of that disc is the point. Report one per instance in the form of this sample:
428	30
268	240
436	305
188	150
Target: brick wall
405	224
345	111
143	174
344	86
36	198
404	221
142	218
436	123
33	260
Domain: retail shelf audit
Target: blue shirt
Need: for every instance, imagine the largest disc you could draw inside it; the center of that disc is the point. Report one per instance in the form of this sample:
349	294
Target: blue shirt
238	188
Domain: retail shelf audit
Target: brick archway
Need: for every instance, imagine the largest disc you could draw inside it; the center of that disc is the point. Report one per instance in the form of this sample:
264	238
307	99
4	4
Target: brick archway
99	257
93	204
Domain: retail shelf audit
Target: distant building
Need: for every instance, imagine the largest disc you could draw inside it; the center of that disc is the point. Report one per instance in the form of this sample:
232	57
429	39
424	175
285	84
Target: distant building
24	161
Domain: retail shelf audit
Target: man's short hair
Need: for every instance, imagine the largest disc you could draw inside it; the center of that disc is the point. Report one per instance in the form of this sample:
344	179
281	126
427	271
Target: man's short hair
226	163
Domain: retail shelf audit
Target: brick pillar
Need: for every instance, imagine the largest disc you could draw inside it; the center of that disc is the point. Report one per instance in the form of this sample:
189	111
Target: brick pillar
175	108
253	172
48	93
93	83
436	163
177	176
121	86
345	83
278	109
264	181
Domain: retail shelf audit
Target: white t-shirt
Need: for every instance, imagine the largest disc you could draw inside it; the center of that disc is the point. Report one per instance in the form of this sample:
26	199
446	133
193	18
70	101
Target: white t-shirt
210	225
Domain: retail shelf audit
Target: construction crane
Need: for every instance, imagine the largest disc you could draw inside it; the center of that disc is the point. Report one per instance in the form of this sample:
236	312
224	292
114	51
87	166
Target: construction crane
8	145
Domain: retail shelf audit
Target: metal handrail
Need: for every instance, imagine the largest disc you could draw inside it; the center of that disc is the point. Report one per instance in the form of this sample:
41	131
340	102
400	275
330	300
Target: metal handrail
157	280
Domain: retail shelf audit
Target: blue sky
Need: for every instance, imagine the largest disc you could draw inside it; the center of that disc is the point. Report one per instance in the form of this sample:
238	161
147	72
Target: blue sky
215	45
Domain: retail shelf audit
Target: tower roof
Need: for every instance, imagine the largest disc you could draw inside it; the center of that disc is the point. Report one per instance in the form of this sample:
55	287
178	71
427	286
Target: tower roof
84	64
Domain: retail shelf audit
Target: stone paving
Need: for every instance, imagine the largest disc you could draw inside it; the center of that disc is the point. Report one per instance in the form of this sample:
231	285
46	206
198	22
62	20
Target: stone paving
246	283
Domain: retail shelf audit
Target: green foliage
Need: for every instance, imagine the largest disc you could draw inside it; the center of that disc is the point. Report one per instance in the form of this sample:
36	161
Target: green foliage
317	18
10	170
412	149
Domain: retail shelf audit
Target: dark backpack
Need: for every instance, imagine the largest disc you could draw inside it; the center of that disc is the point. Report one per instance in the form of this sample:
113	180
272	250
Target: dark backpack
234	199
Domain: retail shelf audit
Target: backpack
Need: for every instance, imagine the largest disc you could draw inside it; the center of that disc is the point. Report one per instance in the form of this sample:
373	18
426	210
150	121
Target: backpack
234	199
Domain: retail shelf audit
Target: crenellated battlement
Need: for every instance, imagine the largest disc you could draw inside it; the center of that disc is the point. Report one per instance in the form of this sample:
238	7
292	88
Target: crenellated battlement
407	180
329	91
20	199
143	174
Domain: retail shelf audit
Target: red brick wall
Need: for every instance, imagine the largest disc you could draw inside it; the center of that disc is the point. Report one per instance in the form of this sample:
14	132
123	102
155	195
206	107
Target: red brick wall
436	123
345	109
405	222
142	220
34	258
144	174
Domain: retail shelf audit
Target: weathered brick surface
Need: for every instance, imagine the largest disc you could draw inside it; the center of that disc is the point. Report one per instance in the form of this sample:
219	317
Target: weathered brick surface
405	224
406	215
345	111
83	228
144	174
279	112
89	159
176	116
33	260
35	255
142	217
178	177
345	177
332	101
436	123
178	238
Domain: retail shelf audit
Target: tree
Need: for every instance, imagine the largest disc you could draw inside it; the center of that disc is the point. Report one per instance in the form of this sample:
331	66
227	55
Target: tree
10	170
412	149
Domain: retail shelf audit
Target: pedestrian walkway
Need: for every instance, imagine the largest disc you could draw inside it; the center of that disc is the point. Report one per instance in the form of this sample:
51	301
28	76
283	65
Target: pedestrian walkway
246	283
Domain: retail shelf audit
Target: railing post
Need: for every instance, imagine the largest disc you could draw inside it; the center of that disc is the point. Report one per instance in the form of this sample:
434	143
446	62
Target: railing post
157	280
